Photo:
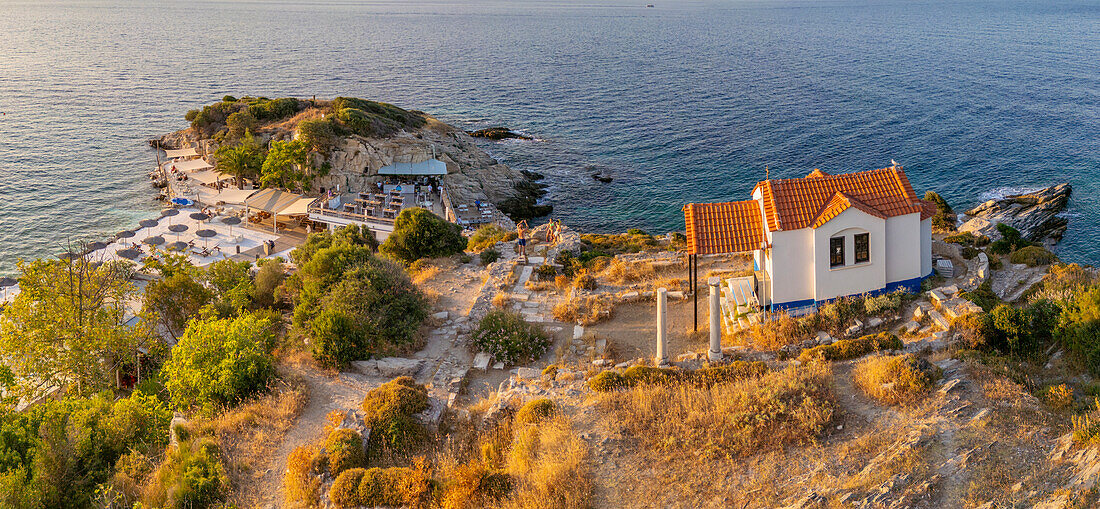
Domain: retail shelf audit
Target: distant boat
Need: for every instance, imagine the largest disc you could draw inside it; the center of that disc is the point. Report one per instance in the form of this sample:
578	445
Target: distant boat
648	6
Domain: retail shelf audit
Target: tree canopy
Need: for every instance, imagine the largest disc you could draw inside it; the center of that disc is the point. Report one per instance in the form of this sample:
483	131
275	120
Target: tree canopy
417	233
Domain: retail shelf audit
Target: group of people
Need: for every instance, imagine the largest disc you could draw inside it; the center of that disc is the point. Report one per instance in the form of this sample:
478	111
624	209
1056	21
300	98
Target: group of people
553	234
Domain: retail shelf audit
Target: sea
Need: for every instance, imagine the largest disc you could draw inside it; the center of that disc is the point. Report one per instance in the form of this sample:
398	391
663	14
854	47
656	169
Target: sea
679	102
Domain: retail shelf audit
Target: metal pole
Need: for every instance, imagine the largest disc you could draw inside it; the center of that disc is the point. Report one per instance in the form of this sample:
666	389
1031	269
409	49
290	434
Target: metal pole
695	294
715	353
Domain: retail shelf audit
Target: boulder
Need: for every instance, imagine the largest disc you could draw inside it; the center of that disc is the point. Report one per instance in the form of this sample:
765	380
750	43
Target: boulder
497	134
481	361
393	367
527	373
1035	214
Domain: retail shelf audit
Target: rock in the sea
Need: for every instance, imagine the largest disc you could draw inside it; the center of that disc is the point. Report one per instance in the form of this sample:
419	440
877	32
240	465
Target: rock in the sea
498	133
1035	215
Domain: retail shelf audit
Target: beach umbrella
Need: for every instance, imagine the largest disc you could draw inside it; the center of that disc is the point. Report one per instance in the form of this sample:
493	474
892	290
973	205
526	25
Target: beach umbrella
169	213
148	223
129	254
231	221
205	234
67	256
177	229
125	234
5	282
199	216
177	246
96	246
183	202
154	240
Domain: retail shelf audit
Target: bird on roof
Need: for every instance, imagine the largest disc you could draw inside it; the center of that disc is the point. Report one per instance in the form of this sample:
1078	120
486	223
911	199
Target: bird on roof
893	162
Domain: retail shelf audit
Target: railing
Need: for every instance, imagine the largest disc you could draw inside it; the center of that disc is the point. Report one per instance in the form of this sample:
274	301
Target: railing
317	208
448	209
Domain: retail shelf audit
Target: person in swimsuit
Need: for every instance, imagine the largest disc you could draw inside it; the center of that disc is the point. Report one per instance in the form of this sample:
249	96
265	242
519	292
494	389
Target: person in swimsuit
521	230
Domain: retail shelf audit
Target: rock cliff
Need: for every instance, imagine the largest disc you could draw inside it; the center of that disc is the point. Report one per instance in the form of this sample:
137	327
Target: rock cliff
355	160
1035	215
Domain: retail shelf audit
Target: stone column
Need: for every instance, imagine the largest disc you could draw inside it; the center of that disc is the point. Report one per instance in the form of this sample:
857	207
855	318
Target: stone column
715	353
662	339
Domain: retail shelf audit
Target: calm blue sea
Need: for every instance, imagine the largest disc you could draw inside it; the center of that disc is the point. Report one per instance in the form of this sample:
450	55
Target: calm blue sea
687	101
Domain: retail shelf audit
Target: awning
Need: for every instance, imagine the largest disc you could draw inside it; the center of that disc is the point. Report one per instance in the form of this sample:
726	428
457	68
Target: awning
186	152
271	200
231	196
429	167
189	165
298	208
209	176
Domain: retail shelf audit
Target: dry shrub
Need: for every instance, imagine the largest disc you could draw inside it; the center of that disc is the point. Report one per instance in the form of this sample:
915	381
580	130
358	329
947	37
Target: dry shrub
896	379
389	411
538	286
536	411
550	467
619	272
345	489
585	281
1086	428
781	330
562	281
1059	396
251	432
793	406
585	310
345	450
500	300
302	483
474	486
704	377
395	487
424	275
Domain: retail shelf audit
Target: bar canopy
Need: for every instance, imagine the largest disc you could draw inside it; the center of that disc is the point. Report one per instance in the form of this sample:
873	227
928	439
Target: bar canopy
191	165
271	200
186	152
429	167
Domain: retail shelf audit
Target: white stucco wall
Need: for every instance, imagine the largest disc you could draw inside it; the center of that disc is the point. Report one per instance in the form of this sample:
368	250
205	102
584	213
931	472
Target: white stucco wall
903	248
851	278
793	261
926	247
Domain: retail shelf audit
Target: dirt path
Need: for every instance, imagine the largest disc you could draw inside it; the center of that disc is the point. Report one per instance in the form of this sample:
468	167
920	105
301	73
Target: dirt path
326	394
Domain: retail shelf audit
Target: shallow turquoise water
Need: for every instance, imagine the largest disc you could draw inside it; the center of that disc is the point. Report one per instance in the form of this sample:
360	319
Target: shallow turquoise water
684	102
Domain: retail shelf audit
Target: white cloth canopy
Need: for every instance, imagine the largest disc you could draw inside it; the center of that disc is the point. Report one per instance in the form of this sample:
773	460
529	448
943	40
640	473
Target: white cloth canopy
429	167
298	208
186	152
209	176
191	165
229	196
271	200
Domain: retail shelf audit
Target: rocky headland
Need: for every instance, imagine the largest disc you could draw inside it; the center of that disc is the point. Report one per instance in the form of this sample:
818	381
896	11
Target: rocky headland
356	148
1036	215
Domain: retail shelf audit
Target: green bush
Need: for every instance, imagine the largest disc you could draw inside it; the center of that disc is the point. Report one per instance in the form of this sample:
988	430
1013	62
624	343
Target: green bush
885	302
510	339
394	487
192	476
704	377
852	348
1011	240
274	109
546	272
218	362
389	413
269	277
1033	256
536	411
967	239
486	236
418	233
352	304
345	489
983	296
969	252
608	381
488	256
944	218
345	450
318	133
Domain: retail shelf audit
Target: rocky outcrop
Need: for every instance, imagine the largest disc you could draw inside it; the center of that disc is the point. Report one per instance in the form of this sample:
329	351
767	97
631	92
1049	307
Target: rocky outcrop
1035	215
498	133
355	160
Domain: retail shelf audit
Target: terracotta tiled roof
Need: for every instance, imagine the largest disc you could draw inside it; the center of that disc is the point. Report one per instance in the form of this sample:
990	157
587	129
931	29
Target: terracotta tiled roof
839	203
716	228
791	204
816	173
928	209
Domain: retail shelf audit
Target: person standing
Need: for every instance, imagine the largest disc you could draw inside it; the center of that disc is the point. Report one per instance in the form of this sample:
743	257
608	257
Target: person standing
521	230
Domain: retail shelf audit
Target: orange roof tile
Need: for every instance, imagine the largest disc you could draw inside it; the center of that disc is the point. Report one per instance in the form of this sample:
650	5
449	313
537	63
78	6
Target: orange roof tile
839	203
816	173
928	209
716	228
791	204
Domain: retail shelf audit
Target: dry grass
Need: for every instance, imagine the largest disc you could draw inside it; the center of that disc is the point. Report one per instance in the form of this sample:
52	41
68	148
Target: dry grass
250	433
550	466
501	300
620	272
424	275
781	330
896	379
793	406
539	286
585	310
